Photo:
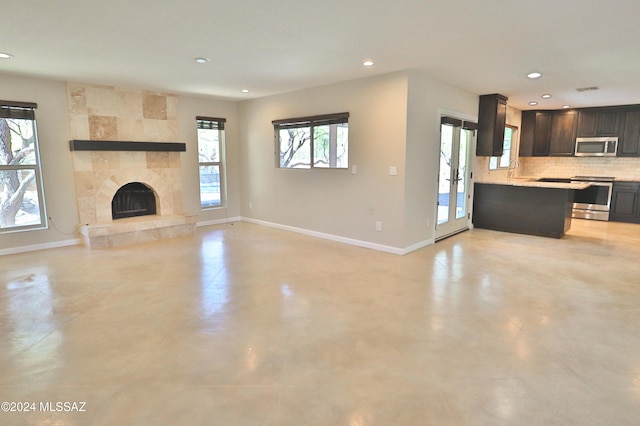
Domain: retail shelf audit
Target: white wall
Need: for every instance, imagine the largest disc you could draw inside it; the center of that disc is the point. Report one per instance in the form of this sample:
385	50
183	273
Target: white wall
57	166
427	98
394	121
334	202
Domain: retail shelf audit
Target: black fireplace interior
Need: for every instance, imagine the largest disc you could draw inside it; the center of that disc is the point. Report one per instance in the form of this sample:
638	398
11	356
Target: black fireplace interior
133	199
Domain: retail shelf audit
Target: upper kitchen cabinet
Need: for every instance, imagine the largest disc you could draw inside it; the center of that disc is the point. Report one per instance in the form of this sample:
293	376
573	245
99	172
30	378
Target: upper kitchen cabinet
593	122
629	139
492	118
535	133
563	132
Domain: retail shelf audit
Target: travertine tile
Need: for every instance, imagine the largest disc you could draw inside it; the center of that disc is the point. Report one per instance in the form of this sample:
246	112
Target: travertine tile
111	113
76	94
84	184
103	128
131	128
107	161
82	161
160	130
154	106
157	160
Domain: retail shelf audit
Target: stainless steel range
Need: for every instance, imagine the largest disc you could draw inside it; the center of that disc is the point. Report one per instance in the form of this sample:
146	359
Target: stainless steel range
593	202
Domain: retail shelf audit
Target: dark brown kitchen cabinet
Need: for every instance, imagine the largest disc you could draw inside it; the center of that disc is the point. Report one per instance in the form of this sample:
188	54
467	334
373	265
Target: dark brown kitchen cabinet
492	118
535	133
594	122
629	139
625	202
563	132
587	123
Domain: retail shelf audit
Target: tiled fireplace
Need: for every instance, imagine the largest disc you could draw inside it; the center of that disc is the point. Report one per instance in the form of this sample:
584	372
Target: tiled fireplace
103	114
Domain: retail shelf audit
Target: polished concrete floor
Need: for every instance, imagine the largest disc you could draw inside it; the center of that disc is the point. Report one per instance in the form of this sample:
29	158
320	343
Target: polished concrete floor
248	325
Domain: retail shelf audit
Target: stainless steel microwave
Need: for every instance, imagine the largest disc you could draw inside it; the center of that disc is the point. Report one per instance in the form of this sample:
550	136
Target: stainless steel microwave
596	147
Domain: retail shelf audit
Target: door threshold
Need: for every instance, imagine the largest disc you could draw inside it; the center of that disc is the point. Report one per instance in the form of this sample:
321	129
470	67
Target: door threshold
451	234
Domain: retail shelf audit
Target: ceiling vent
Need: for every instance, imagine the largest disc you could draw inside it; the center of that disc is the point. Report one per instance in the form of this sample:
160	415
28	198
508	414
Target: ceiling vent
587	89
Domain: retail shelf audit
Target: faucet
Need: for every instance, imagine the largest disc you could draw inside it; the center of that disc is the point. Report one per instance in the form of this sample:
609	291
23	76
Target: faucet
513	165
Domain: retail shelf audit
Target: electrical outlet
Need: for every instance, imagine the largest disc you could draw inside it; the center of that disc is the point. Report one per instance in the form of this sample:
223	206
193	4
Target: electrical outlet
378	226
250	205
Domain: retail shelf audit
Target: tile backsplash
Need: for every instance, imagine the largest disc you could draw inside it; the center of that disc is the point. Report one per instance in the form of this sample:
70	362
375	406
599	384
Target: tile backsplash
620	168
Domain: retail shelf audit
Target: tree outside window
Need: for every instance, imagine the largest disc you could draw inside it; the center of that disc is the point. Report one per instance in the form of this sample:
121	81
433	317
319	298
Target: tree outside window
313	142
21	196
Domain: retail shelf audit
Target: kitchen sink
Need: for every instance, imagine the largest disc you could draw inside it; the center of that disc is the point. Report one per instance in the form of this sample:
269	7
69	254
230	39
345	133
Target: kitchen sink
562	180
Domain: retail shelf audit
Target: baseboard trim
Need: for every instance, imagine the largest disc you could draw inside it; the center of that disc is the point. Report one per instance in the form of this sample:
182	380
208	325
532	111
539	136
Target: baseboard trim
44	246
337	238
331	237
218	221
418	245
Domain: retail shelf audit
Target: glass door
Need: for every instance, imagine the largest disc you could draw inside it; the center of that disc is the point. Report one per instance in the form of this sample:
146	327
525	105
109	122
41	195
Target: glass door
456	138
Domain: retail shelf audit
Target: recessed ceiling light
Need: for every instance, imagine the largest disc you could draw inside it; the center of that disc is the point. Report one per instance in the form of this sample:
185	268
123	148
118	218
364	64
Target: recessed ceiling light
245	90
546	96
201	60
566	106
533	103
368	63
5	56
534	75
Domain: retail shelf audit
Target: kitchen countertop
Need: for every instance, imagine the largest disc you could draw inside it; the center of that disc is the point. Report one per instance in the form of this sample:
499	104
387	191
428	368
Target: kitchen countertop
534	183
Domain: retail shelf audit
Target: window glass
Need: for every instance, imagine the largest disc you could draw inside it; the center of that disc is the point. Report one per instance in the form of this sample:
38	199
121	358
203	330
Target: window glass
502	162
331	146
295	148
211	161
313	142
21	195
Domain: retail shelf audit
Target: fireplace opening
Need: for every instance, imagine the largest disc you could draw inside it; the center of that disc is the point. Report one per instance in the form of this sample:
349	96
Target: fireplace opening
133	199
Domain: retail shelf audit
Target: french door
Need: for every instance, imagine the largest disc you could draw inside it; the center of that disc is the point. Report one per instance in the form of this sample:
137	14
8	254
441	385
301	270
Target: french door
456	140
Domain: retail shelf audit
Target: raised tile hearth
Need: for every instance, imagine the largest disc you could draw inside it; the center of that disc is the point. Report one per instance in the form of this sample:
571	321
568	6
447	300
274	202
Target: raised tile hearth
137	229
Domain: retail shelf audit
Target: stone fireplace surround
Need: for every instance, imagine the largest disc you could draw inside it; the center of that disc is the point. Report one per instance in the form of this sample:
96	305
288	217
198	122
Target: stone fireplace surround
99	230
104	115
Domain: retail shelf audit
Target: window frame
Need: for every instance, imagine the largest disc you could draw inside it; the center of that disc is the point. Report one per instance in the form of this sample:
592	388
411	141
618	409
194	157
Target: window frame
213	123
512	151
26	111
311	122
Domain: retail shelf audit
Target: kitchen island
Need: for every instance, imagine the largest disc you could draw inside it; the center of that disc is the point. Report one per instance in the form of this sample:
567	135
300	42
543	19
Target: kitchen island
525	206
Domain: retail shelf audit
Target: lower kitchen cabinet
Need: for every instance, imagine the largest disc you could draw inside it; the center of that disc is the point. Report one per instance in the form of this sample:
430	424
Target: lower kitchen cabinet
625	202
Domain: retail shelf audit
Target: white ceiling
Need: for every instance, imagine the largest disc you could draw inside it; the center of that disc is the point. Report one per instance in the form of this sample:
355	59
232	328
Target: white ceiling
278	46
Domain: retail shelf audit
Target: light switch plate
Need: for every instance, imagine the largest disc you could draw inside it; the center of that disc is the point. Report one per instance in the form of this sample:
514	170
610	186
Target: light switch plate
393	171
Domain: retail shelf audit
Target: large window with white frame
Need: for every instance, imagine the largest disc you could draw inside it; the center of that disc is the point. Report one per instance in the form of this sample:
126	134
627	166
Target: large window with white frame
211	161
320	141
21	194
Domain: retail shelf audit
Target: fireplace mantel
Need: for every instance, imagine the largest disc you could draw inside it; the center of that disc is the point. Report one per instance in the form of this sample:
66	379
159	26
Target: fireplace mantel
99	145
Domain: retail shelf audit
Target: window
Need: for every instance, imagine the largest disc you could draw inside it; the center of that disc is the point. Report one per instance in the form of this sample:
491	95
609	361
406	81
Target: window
502	162
211	161
21	196
320	141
